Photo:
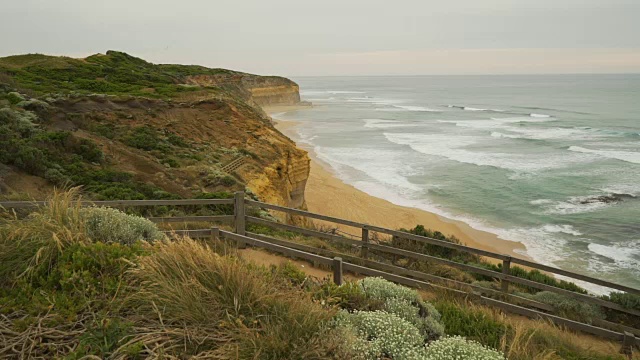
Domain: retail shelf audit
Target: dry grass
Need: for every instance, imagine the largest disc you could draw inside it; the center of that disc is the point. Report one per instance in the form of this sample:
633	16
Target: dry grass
34	243
231	309
521	338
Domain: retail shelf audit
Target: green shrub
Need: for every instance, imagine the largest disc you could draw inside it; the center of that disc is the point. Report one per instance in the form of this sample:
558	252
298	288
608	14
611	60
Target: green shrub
569	307
458	348
176	140
33	104
217	177
537	276
145	138
627	300
171	162
290	272
14	97
56	177
228	181
348	296
83	276
434	250
110	225
211	209
106	130
381	289
472	323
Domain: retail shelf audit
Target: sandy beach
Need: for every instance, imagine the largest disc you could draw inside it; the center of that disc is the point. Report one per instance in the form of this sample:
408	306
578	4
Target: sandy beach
327	194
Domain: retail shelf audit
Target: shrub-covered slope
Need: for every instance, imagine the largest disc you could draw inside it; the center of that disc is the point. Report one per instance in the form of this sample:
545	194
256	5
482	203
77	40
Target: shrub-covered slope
127	129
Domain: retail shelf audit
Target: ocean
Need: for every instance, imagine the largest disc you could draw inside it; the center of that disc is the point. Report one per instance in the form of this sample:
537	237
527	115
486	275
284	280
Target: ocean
551	161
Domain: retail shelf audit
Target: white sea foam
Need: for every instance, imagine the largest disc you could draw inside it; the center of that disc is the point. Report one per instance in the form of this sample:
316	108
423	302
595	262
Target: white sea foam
385	124
628	156
471	108
390	104
403	108
541	202
414	108
494	123
623	256
453	147
547	133
375	100
539	115
565	229
384	166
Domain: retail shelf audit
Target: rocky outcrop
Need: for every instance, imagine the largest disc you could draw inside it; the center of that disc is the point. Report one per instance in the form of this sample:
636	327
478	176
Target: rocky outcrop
283	182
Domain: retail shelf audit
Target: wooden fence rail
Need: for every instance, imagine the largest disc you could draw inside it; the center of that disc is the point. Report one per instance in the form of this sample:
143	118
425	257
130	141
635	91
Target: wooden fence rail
431	241
428	258
121	203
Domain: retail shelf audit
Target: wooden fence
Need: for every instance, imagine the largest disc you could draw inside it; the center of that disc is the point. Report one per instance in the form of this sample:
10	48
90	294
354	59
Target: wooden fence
362	264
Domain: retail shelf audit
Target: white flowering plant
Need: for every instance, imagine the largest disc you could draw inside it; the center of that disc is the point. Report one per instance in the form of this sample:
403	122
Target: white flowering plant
428	325
381	334
405	303
459	348
110	225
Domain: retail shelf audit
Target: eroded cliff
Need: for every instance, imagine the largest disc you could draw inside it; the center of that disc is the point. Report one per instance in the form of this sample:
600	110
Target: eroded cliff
261	90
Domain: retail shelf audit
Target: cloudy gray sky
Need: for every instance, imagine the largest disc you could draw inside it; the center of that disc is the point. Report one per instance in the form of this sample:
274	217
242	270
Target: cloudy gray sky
338	37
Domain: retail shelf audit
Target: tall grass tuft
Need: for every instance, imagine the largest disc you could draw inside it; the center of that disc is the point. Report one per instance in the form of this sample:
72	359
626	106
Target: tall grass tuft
34	244
239	309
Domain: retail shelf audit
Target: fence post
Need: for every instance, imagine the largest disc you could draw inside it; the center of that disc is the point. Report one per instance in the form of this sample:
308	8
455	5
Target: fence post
628	342
394	243
239	217
215	233
337	270
506	269
364	247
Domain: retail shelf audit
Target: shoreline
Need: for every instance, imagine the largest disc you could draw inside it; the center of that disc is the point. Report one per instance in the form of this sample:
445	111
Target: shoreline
326	194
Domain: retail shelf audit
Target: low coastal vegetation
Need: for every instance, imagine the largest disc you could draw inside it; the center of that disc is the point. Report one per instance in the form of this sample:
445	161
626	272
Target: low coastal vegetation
85	283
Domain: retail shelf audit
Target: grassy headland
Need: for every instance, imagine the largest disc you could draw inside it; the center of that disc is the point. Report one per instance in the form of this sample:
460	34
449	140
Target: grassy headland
123	128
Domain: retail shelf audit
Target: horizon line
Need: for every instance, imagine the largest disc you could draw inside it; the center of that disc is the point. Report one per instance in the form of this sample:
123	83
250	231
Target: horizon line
489	74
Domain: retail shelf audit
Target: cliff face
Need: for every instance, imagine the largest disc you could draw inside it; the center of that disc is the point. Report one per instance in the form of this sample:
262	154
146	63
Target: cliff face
262	90
273	91
155	131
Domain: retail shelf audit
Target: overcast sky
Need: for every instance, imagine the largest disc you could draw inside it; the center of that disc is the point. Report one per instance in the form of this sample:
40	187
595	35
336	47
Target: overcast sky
338	37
